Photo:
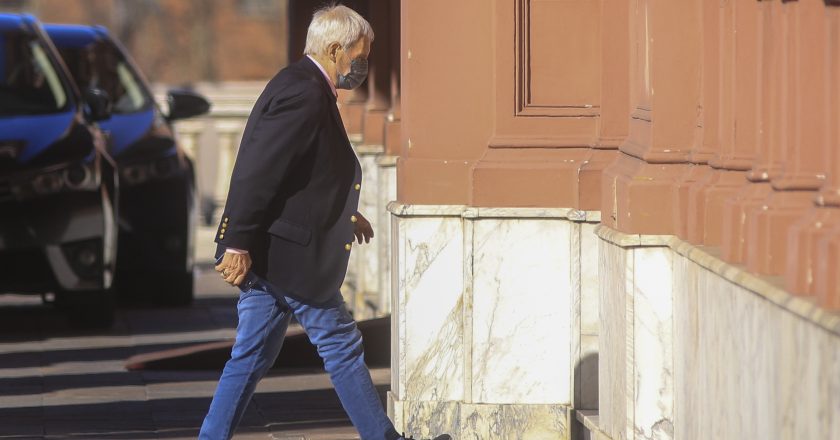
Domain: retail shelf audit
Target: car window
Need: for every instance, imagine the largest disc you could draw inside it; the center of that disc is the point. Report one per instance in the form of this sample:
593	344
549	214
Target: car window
29	82
102	66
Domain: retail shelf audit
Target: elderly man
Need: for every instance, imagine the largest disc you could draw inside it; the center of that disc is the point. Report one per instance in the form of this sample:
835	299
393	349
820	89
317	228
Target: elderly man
289	224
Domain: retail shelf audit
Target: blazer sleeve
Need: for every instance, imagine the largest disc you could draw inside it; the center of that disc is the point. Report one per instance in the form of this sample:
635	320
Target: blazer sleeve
286	128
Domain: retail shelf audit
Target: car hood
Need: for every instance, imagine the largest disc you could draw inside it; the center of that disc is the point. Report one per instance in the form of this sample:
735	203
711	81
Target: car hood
26	137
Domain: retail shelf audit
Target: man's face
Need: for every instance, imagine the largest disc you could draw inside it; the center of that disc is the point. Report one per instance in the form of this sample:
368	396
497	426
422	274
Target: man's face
359	49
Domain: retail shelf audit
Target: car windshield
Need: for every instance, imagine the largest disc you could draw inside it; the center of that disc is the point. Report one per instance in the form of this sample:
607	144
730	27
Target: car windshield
102	66
29	82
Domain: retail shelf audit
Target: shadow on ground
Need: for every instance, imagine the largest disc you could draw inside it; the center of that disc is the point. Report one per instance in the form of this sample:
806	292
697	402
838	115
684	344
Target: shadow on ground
297	352
286	412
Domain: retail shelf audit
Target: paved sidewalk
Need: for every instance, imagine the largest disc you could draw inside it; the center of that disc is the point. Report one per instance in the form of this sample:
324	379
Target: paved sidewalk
57	383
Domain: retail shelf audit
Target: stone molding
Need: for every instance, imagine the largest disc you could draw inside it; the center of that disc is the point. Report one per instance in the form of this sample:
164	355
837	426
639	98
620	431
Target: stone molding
386	160
709	258
464	211
369	149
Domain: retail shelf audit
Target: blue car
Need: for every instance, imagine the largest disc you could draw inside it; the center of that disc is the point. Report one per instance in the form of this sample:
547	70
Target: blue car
155	257
59	191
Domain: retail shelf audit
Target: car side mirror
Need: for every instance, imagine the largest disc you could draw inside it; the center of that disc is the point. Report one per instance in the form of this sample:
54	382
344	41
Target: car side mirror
98	105
185	104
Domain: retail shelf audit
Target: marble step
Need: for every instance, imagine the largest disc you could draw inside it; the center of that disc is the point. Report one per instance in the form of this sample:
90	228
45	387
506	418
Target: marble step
588	428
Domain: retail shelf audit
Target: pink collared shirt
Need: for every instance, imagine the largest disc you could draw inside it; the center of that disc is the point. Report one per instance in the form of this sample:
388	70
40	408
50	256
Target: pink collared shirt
335	93
329	80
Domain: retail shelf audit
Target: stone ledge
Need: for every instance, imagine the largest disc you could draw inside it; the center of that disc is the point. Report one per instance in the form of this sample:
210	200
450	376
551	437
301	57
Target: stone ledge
769	288
589	420
630	240
473	212
369	149
386	160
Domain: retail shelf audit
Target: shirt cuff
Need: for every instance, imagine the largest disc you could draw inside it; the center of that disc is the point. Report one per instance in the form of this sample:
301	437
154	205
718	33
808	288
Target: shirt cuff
235	251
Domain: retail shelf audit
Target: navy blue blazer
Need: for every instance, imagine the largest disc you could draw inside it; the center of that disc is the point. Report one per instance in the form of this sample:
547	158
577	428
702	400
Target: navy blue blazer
295	187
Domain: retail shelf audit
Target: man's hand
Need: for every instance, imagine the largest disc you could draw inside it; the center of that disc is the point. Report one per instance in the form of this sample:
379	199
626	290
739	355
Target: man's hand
234	267
363	229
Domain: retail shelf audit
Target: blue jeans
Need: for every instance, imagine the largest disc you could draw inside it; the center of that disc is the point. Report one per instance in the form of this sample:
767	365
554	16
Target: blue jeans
264	315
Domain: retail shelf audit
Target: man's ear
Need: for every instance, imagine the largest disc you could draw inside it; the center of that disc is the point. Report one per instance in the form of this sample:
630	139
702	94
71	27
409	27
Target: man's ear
331	51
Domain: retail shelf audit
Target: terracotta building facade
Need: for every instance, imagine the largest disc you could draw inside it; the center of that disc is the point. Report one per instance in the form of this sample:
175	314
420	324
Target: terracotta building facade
611	219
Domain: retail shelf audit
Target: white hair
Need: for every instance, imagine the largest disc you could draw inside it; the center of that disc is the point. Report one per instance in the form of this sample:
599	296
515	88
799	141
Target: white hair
335	24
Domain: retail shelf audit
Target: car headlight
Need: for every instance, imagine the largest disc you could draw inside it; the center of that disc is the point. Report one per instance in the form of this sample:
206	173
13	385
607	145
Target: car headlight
158	169
73	177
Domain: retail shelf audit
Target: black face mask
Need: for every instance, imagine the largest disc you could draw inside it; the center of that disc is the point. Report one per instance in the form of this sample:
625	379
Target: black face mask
357	75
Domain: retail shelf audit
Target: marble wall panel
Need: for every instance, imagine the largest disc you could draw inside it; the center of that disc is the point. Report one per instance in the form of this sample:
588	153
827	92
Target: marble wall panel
430	419
430	290
386	192
465	421
585	317
612	341
521	315
740	366
833	390
587	373
589	280
368	264
494	321
687	352
652	359
514	422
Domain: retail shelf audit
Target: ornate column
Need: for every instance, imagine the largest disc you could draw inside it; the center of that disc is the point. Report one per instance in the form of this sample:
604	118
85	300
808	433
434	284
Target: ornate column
614	114
639	188
749	199
816	240
691	206
801	134
737	121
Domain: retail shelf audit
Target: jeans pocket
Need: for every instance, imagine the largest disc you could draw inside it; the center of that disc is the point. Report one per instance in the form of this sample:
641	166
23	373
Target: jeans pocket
247	284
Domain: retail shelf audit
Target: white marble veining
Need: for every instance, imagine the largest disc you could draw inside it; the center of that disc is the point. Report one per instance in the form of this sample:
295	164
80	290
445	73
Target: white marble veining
368	255
586	316
521	347
589	280
495	319
386	192
430	295
652	356
743	364
614	415
768	288
466	421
